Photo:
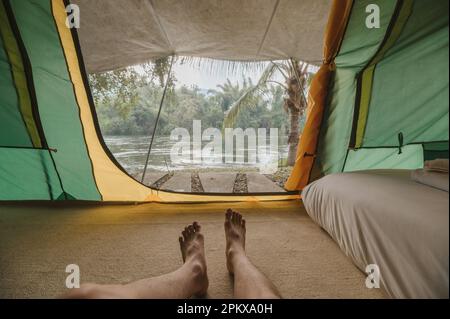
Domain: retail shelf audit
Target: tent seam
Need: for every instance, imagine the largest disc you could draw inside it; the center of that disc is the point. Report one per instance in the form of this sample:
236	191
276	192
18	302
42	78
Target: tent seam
161	26
268	27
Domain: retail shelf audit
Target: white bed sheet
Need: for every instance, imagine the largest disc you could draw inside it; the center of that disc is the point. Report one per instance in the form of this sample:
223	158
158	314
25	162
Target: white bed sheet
382	217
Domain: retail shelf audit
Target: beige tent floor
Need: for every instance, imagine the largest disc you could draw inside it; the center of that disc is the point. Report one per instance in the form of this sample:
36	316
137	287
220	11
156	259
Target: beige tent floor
117	244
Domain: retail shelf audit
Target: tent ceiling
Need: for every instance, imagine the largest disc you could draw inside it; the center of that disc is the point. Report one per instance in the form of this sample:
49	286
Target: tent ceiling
120	33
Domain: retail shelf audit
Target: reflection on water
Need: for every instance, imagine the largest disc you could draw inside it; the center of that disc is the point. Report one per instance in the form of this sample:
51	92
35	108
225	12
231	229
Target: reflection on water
131	152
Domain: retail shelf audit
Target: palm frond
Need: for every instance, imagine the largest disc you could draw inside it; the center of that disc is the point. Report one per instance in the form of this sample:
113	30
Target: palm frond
278	83
282	68
220	67
243	102
247	98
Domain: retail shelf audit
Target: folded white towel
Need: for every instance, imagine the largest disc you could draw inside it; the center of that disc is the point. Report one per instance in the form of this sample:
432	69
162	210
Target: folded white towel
431	178
437	165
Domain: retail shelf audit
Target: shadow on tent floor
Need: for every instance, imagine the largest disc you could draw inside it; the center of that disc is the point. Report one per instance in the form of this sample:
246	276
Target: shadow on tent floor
118	243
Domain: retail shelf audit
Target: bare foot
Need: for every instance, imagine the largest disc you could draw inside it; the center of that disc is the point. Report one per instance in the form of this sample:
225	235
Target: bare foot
193	253
235	237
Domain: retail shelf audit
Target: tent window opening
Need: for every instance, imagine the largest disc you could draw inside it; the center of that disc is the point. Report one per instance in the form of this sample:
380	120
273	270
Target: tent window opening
199	125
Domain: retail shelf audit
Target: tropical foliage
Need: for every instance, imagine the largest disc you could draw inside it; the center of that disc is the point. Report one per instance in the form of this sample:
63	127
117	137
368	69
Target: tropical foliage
128	100
296	78
134	112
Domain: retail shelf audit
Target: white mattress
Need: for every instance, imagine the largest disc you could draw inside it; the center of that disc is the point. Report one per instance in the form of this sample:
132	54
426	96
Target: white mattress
385	218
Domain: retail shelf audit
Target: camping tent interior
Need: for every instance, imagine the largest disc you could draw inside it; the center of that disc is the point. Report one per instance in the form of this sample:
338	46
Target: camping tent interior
378	101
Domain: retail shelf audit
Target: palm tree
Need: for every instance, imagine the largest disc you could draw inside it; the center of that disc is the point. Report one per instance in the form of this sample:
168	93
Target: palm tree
229	92
296	78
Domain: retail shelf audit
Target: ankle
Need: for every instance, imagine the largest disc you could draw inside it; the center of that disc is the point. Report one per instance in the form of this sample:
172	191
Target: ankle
235	251
198	276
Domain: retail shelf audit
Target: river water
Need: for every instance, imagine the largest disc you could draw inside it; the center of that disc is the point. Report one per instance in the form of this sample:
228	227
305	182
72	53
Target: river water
131	152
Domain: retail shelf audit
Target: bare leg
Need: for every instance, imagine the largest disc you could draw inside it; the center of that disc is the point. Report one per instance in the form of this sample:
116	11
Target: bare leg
249	282
189	280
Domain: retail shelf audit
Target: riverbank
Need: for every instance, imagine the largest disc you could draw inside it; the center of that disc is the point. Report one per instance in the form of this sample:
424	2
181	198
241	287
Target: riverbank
193	183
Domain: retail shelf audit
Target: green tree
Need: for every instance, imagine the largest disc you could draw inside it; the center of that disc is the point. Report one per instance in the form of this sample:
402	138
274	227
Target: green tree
296	79
121	87
230	93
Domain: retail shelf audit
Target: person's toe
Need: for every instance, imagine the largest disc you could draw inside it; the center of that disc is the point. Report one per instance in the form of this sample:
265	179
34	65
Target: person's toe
196	227
191	230
236	218
228	214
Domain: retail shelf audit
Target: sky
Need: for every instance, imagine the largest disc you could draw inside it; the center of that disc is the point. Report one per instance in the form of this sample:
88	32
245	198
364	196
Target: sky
189	74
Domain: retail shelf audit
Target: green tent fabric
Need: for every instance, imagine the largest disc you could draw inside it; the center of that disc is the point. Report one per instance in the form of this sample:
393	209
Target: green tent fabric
66	156
407	101
20	125
30	174
356	51
435	150
419	110
13	132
